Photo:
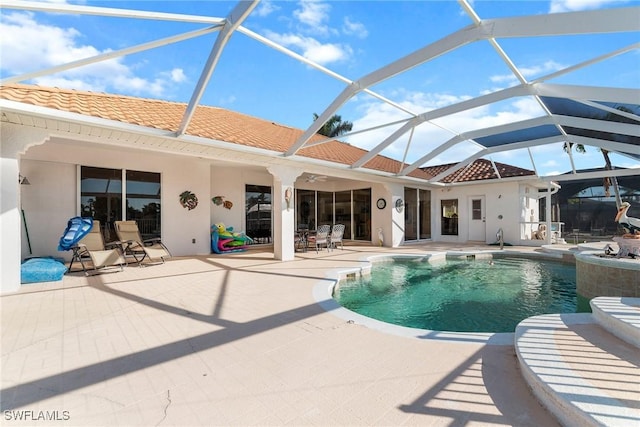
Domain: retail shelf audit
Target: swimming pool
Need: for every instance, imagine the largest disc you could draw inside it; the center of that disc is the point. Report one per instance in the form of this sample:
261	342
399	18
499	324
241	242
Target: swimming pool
467	294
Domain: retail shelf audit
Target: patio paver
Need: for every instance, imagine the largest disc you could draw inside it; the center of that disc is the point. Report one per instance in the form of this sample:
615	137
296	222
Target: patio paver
238	340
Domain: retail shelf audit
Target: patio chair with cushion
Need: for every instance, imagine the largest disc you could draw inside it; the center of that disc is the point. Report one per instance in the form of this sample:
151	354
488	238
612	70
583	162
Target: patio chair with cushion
92	248
336	236
129	236
321	237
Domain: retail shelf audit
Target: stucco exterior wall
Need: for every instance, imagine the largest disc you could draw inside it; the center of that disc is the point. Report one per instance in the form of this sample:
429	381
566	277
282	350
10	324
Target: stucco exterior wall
502	211
52	198
230	183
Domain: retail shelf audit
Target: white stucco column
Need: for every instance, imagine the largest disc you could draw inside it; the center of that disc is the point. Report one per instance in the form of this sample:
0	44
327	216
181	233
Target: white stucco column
548	213
14	141
396	217
283	208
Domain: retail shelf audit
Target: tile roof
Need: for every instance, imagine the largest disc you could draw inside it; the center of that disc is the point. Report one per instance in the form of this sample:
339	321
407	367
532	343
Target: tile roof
228	126
479	170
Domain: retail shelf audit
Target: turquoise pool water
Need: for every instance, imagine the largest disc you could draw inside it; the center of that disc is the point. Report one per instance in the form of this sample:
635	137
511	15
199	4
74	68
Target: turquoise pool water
482	295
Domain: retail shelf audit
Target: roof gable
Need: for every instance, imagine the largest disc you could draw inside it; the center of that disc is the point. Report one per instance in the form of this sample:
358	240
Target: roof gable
479	170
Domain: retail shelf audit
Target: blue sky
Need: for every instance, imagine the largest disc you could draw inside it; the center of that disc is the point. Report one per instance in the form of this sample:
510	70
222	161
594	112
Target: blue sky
350	38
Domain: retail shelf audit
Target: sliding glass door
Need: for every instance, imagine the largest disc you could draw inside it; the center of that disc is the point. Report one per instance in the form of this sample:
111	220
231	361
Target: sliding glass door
362	214
351	208
258	216
306	209
325	208
417	214
102	191
343	211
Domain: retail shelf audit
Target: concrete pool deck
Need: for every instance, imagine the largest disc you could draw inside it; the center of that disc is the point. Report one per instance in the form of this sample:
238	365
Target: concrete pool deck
241	339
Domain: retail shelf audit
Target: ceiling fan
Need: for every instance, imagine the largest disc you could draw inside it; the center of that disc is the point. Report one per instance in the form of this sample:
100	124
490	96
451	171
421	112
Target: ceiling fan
316	178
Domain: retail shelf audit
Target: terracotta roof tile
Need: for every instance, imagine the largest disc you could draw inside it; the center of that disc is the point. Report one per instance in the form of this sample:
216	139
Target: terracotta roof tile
480	169
224	125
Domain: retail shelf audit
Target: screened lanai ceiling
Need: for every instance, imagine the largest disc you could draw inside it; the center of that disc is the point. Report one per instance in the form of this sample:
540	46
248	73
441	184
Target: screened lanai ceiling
437	83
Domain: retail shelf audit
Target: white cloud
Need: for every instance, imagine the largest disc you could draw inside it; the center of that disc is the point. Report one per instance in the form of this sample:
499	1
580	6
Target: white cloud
312	49
425	137
552	163
28	46
428	136
266	8
312	22
177	75
557	6
354	28
314	15
529	72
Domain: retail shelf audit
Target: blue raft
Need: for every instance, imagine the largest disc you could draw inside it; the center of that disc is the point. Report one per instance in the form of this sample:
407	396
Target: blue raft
77	228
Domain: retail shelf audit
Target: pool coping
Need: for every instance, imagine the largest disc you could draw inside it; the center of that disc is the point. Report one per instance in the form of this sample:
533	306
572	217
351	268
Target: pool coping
323	291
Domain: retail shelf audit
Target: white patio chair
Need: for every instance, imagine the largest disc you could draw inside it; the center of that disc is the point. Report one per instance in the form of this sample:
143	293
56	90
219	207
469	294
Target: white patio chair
321	237
336	236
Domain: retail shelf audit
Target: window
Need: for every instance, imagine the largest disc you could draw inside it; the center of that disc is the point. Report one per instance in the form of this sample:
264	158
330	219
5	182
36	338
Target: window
476	209
449	220
143	202
101	195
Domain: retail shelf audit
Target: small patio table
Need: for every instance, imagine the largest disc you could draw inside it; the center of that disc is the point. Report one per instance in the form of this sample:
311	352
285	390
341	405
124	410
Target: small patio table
302	239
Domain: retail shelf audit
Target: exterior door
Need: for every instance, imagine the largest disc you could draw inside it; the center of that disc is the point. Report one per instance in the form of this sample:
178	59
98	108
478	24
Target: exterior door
258	216
477	222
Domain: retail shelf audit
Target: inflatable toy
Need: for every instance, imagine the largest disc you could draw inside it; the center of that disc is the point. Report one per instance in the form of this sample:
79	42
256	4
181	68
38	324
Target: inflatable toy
224	240
77	228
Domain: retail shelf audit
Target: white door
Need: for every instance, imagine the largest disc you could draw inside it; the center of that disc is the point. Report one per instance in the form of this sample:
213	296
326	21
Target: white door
477	223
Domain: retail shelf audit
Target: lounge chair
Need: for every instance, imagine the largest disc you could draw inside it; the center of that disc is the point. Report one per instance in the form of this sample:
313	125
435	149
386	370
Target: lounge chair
336	236
91	246
321	237
129	236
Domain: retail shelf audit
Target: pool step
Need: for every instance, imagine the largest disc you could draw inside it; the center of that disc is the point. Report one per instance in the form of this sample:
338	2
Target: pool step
620	316
582	373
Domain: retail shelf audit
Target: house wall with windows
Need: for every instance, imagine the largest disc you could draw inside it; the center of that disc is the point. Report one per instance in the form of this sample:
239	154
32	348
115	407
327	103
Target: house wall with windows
48	203
502	210
229	182
52	196
376	219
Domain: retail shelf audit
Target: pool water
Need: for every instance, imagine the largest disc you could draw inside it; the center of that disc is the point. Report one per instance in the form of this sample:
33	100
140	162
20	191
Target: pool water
482	295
